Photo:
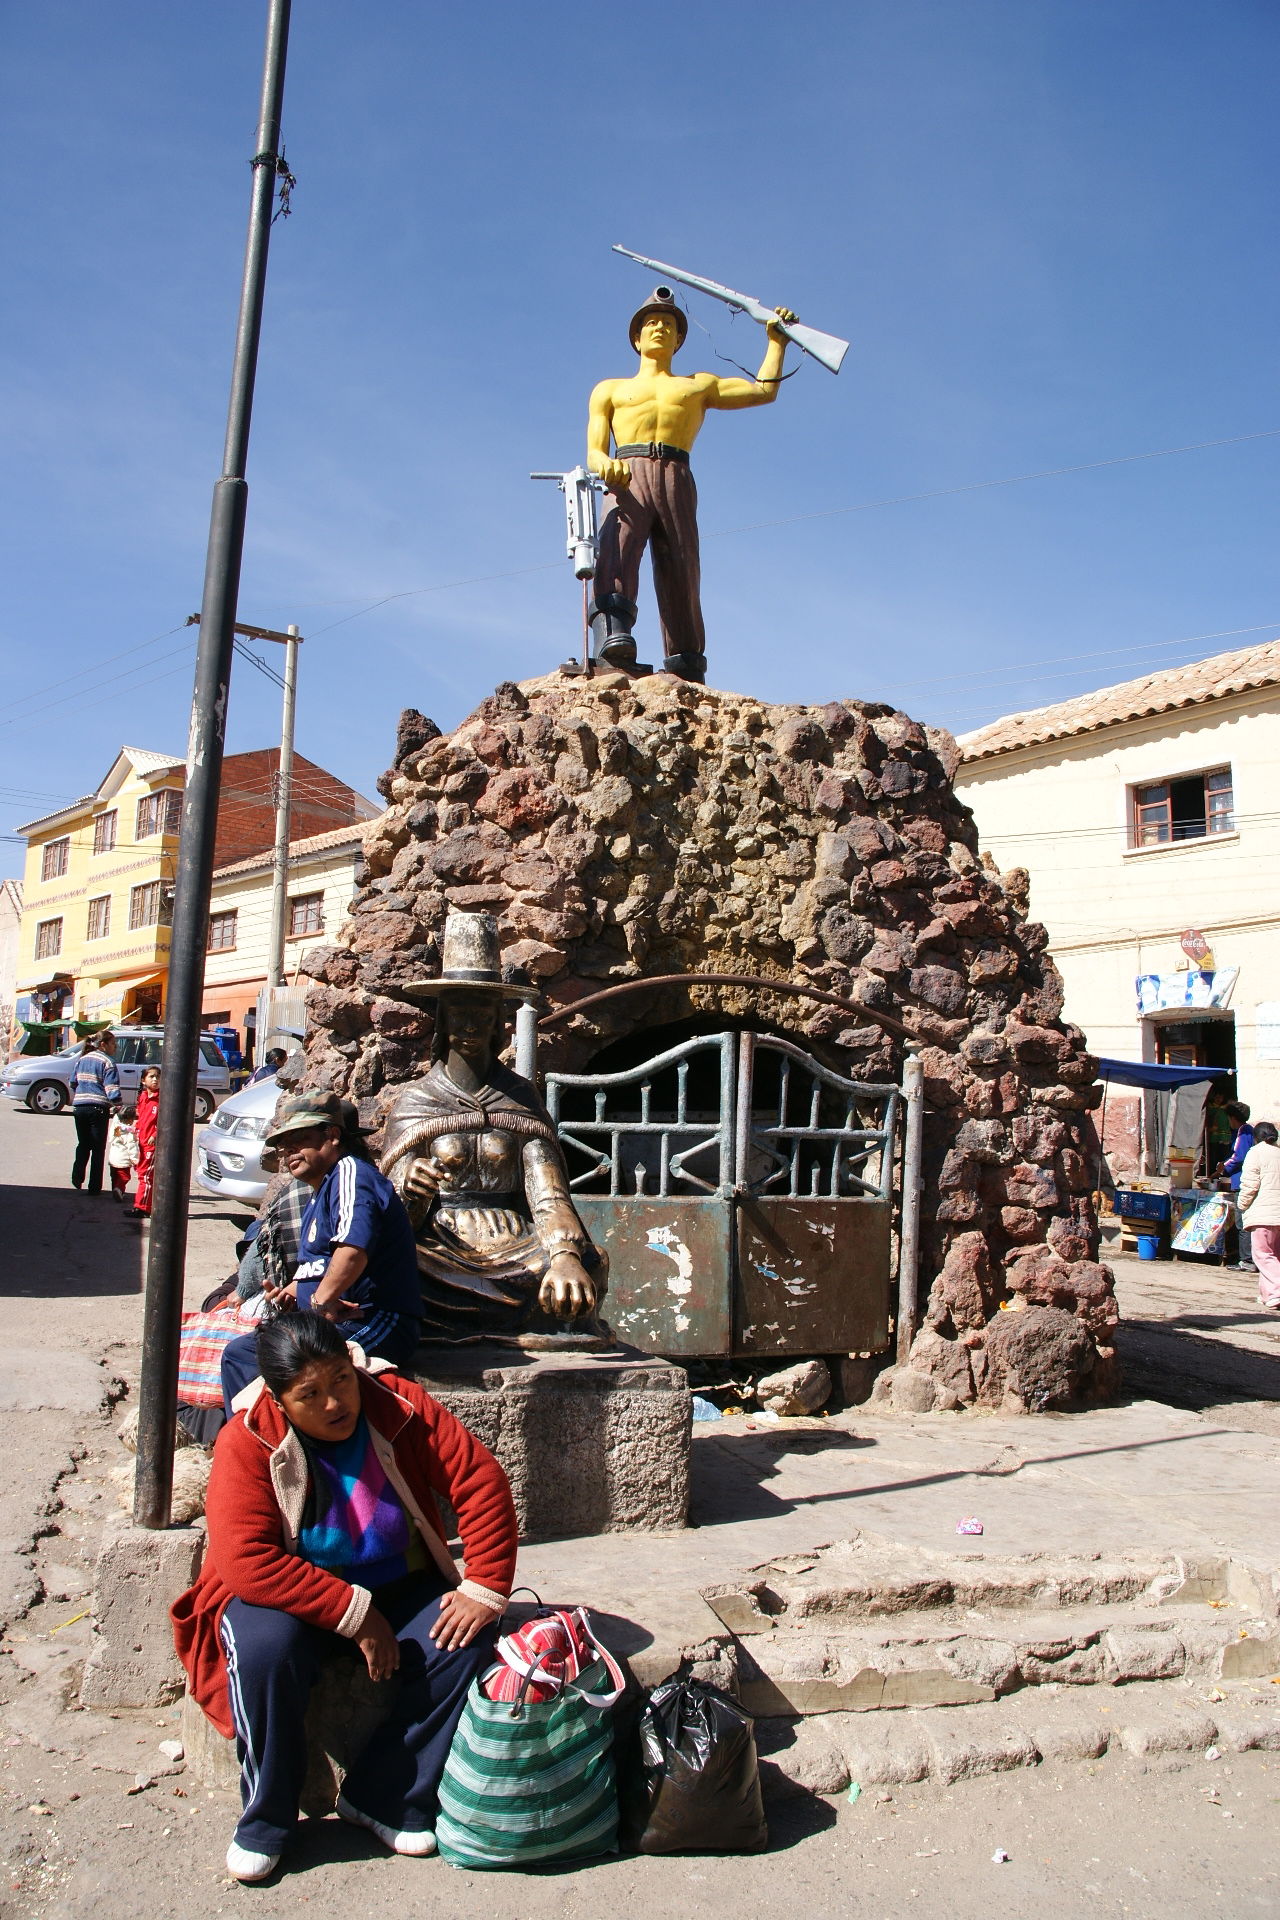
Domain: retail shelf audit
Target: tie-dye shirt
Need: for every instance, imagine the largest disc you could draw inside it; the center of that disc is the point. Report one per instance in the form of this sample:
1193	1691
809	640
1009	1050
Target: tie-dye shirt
355	1523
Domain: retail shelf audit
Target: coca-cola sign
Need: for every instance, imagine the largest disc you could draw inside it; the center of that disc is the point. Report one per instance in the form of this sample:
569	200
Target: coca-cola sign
1197	949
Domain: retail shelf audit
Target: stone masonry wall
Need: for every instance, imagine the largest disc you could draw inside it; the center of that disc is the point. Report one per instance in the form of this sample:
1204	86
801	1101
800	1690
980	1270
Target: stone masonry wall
619	828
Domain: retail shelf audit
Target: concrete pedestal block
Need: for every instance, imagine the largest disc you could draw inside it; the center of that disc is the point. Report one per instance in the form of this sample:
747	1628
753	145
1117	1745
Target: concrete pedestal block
591	1443
140	1574
345	1710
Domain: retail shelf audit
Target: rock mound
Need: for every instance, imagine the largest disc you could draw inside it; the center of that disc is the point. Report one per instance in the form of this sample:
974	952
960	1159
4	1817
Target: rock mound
620	829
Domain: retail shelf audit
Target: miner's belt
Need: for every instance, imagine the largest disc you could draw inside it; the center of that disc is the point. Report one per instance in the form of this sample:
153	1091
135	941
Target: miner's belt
655	450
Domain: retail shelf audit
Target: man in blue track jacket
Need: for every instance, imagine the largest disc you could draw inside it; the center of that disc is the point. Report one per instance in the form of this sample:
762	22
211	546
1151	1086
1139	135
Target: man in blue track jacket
95	1093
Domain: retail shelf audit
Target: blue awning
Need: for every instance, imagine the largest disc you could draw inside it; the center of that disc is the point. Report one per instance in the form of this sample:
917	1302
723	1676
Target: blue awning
1140	1073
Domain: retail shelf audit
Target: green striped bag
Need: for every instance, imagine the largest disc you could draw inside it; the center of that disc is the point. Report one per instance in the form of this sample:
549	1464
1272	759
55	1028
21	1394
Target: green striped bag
528	1783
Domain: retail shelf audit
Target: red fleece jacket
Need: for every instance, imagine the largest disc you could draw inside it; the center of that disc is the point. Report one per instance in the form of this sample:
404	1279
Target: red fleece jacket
253	1509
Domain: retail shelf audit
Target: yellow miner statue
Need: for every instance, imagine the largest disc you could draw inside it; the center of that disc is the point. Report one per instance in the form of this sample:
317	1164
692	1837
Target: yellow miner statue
653	418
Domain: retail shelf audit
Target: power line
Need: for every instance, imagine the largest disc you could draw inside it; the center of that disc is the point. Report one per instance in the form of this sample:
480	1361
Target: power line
80	672
827	513
247	654
860	506
1011	480
1019	671
443	586
83	693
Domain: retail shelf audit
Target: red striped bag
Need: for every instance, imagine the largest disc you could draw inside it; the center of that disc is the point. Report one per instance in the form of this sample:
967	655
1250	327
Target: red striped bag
538	1660
200	1345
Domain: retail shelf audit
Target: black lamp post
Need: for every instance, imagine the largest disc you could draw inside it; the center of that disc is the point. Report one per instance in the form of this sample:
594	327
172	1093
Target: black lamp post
167	1253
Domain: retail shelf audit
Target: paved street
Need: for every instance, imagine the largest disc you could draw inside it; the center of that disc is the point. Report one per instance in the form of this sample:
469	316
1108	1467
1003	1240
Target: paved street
71	1274
1171	1835
1195	1336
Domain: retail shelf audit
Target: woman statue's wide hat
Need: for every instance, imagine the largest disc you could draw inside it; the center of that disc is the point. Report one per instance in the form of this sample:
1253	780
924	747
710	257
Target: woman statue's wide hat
470	963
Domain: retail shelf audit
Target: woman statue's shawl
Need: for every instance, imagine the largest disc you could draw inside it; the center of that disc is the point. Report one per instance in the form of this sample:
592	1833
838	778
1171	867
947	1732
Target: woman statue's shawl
429	1107
481	1262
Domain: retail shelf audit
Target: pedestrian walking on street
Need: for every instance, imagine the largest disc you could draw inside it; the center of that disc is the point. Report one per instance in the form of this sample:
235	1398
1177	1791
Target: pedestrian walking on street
148	1110
1260	1206
95	1094
324	1527
1238	1114
122	1151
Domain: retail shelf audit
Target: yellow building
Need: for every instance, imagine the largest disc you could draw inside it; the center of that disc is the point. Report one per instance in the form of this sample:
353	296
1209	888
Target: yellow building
97	896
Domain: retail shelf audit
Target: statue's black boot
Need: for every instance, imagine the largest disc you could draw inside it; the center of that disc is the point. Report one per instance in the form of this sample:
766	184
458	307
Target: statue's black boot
611	619
687	666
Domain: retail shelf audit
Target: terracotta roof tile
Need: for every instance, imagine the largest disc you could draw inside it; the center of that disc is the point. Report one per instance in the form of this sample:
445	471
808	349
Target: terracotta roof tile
1190	686
348	836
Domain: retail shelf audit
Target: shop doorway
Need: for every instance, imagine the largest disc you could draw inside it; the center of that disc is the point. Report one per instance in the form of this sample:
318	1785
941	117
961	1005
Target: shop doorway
1207	1041
141	1006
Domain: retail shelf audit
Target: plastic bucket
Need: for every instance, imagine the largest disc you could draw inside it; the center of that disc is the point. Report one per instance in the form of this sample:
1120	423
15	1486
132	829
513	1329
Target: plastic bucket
1148	1246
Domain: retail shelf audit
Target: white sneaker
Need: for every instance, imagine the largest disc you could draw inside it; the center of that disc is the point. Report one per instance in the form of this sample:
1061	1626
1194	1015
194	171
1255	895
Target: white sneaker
418	1844
247	1866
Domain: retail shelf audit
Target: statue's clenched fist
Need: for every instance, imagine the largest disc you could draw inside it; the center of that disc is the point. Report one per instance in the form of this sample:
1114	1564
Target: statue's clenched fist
567	1291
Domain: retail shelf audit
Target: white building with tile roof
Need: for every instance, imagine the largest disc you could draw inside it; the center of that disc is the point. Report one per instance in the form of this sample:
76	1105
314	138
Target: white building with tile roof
321	882
1147	816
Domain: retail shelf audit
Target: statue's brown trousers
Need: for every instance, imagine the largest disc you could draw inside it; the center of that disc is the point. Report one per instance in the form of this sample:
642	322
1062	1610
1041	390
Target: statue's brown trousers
659	508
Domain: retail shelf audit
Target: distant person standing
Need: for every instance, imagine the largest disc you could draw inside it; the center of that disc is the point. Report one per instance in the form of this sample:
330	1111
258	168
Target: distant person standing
271	1065
148	1112
95	1094
1238	1114
1260	1207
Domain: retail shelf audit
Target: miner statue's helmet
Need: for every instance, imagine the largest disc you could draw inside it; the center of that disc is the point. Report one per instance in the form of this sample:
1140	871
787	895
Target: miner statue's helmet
661	300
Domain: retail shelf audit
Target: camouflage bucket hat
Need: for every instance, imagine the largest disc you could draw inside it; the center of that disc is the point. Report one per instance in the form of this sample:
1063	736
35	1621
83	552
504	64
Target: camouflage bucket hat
302	1111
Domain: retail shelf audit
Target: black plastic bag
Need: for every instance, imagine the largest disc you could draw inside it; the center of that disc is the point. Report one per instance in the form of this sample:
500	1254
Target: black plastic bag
696	1788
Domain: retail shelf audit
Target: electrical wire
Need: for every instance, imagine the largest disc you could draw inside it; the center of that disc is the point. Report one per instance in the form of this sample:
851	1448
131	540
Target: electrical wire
80	672
827	513
861	506
1010	480
1021	670
246	653
83	693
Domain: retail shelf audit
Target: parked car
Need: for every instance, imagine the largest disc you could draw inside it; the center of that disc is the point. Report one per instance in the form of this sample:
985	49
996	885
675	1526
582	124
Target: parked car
229	1152
44	1084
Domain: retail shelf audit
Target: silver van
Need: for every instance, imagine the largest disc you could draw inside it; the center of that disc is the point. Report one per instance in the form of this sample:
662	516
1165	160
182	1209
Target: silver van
44	1084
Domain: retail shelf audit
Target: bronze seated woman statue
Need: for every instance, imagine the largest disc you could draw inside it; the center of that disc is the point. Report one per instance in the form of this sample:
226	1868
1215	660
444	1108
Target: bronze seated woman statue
473	1154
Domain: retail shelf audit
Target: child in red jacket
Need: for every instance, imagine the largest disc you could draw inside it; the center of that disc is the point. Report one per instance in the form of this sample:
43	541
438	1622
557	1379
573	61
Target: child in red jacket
322	1521
148	1113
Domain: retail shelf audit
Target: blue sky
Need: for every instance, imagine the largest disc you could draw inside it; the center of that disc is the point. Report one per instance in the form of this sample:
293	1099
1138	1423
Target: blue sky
1047	227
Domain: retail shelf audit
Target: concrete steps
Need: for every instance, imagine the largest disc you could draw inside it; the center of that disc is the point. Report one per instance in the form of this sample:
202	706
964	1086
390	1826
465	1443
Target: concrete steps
825	1753
865	1626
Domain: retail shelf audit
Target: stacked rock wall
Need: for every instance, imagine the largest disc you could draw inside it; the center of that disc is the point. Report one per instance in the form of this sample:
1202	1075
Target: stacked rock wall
625	828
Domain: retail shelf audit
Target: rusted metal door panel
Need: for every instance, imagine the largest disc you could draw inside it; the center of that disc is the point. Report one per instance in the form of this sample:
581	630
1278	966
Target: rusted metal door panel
670	1270
812	1276
743	1192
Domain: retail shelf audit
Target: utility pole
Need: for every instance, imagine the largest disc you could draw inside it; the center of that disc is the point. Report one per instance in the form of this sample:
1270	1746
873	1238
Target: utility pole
290	641
166	1257
284	801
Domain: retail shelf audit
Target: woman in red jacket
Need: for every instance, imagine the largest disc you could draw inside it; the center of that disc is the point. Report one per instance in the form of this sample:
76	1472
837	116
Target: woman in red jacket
323	1522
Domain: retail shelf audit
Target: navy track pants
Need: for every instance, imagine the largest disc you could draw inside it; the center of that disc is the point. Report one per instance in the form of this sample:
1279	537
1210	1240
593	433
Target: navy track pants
273	1659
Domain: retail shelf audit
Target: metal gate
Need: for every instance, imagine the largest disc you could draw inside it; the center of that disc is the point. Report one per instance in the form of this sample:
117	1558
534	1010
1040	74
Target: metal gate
744	1193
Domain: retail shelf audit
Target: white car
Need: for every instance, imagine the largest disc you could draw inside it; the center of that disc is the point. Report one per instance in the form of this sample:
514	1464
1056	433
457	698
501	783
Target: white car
229	1152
